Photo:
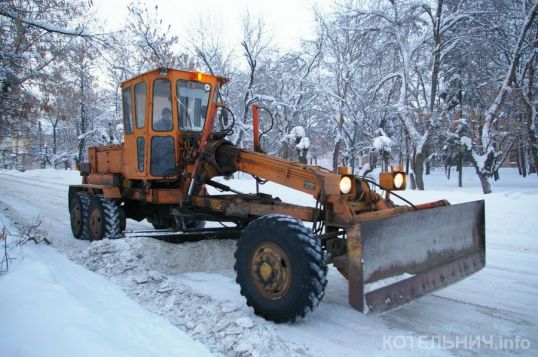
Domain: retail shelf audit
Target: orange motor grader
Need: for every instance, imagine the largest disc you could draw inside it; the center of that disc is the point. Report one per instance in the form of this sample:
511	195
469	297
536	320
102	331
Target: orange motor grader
172	150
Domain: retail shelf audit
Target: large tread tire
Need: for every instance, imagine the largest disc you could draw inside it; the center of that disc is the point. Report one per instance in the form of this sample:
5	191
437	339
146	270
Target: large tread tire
103	219
78	211
305	256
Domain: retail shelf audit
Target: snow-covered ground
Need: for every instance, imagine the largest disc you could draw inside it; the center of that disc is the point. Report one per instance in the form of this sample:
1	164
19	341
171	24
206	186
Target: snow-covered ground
154	298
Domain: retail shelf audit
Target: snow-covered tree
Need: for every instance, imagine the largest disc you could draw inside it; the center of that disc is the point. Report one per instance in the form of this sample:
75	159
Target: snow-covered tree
35	33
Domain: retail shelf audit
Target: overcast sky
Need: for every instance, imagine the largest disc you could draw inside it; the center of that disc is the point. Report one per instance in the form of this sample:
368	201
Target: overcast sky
287	21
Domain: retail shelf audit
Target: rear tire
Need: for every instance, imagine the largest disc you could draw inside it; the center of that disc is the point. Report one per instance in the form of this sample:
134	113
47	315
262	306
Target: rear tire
280	268
78	212
103	219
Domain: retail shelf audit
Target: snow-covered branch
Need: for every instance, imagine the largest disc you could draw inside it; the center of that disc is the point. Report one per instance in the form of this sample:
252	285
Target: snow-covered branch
44	25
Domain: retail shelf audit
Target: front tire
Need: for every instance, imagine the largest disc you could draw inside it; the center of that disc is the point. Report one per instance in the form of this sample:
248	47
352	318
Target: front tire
280	268
103	219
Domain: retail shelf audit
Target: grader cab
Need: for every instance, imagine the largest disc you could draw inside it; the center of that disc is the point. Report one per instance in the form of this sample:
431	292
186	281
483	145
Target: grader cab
174	147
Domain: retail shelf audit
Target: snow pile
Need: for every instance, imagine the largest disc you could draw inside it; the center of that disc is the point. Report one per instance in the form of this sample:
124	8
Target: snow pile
51	306
147	269
162	257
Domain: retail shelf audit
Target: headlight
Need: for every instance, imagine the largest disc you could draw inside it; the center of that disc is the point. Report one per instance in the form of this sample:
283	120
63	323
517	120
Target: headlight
398	180
392	180
345	185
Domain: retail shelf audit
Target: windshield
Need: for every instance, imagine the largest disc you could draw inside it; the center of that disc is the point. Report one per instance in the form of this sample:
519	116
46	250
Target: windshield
192	103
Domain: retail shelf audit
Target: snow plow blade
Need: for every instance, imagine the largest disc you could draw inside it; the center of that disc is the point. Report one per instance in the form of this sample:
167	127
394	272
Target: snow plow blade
394	260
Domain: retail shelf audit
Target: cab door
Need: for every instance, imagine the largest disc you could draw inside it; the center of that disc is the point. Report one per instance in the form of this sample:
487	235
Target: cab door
135	101
162	160
140	104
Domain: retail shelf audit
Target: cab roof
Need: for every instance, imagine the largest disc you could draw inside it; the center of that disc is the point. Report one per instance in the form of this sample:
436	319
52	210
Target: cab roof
177	72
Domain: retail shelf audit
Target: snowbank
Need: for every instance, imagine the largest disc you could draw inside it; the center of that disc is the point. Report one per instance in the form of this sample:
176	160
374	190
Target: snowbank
51	306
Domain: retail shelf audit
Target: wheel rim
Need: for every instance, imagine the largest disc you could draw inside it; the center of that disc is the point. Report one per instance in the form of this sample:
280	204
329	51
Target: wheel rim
95	223
270	269
76	216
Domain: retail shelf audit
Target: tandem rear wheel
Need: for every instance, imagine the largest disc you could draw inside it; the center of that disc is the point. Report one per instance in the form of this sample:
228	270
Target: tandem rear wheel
78	212
94	217
280	268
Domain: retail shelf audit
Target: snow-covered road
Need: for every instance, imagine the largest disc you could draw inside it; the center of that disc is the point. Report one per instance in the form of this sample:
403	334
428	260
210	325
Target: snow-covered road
193	285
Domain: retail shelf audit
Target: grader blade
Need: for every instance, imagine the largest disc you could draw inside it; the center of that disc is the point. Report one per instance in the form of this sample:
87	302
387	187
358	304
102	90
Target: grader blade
394	260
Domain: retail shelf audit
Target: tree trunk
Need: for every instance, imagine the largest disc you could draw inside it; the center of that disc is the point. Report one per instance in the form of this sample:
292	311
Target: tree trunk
413	182
17	150
384	161
418	169
532	166
41	155
54	150
533	143
460	169
518	162
301	154
336	155
82	117
54	138
338	144
436	56
531	118
484	181
285	151
486	186
522	159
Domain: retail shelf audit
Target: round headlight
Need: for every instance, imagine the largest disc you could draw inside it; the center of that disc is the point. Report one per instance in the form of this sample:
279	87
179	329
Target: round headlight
345	185
398	180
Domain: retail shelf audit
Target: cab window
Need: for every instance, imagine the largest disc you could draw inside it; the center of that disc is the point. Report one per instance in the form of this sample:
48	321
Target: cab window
140	148
163	159
140	104
162	108
127	115
192	104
